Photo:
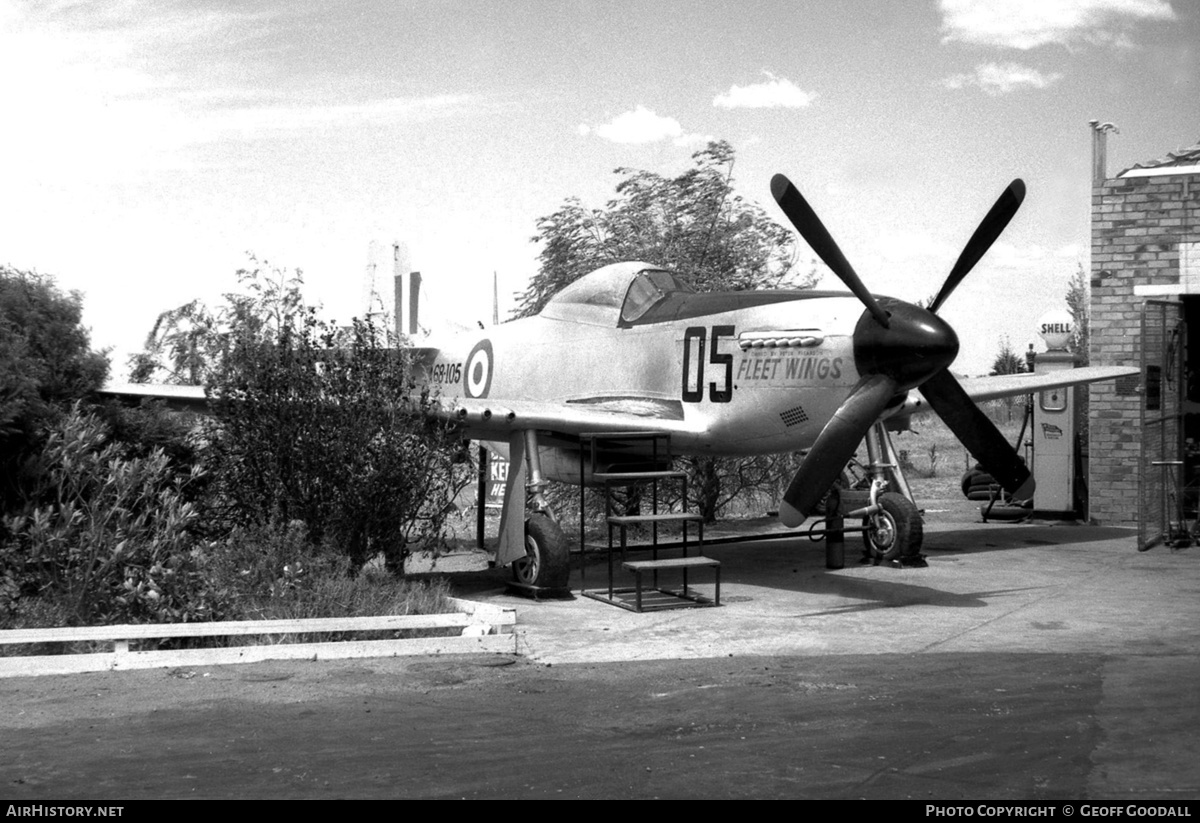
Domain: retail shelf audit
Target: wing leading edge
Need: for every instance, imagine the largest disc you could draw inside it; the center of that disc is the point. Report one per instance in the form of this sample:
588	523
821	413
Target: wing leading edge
485	418
1015	385
181	398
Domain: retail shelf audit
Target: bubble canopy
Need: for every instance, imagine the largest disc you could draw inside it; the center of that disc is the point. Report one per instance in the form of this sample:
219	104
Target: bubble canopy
619	293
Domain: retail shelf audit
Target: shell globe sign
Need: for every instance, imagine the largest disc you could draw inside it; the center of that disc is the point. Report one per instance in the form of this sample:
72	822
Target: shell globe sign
1057	329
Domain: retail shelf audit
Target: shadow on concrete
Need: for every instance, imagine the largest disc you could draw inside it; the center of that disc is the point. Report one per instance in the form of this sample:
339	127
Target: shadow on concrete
984	537
796	566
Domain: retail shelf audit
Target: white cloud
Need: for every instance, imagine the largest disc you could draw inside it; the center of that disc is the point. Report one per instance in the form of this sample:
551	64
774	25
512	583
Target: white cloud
1027	24
638	126
100	97
103	96
1001	78
774	93
685	140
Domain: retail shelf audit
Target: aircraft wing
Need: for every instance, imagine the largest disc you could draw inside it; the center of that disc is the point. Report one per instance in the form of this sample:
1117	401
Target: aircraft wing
484	417
1015	385
628	414
181	398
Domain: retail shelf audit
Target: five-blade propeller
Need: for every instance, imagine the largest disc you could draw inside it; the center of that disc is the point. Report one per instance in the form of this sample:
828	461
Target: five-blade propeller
906	347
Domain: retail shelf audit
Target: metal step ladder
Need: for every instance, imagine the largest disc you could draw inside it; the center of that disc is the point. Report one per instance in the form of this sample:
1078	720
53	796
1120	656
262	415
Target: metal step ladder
640	597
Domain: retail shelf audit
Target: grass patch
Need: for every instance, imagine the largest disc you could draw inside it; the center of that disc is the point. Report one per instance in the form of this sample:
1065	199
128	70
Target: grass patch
932	450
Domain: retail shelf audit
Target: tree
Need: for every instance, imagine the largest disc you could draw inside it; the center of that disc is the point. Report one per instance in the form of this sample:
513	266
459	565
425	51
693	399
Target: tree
1007	362
177	347
46	364
696	225
186	344
1079	304
313	427
312	422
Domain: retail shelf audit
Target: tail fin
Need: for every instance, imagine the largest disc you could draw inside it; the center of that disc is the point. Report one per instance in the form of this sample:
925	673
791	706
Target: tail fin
400	268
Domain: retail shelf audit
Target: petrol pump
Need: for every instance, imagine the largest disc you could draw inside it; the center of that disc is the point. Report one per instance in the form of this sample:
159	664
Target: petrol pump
1053	436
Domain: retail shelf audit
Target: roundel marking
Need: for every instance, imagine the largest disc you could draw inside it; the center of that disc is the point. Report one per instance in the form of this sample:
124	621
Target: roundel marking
477	379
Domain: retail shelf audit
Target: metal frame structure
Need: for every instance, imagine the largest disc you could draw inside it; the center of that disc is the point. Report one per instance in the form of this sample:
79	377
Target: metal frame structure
1162	510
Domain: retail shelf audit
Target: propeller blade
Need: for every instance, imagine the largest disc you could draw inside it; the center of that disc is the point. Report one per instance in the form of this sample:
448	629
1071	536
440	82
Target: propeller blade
835	446
993	224
981	437
813	230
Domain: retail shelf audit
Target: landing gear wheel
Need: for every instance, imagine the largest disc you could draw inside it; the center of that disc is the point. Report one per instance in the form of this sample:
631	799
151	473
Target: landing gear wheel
896	531
546	563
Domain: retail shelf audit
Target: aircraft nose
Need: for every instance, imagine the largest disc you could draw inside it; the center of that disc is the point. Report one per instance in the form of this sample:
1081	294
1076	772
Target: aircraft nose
916	345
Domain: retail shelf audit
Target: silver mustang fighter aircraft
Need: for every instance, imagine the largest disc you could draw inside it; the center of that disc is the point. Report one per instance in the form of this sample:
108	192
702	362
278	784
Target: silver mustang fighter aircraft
632	348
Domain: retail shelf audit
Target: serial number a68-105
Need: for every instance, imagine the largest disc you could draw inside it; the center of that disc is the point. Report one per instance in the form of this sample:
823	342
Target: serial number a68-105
446	373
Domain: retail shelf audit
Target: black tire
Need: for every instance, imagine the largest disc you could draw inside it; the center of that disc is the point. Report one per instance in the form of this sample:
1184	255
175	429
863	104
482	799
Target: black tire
967	481
547	562
976	480
1005	513
896	531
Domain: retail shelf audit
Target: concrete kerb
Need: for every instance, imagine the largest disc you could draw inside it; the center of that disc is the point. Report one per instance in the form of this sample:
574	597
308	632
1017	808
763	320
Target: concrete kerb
473	628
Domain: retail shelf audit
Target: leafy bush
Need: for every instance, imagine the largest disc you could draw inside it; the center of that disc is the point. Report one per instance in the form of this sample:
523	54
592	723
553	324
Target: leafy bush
323	424
737	486
106	535
312	422
112	538
130	516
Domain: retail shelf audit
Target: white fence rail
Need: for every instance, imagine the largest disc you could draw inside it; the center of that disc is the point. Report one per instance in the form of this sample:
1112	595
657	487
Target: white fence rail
482	628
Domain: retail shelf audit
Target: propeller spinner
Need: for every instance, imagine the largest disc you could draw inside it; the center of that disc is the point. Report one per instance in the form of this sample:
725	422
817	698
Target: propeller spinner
899	346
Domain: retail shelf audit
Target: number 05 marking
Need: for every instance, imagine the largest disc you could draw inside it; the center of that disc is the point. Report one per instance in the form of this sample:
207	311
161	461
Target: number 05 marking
693	375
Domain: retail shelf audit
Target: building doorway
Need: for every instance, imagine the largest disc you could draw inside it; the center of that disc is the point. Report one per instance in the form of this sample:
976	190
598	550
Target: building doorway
1168	478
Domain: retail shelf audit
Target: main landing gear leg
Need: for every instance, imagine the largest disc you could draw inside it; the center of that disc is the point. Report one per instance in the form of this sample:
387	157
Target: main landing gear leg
894	530
546	564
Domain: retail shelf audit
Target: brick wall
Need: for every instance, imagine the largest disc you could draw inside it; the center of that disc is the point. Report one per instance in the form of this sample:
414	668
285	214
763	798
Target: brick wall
1137	225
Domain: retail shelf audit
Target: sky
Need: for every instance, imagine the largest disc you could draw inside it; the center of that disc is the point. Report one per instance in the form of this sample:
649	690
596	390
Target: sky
147	147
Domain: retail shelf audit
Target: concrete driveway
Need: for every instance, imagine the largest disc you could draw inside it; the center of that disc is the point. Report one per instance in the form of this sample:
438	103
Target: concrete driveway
1027	661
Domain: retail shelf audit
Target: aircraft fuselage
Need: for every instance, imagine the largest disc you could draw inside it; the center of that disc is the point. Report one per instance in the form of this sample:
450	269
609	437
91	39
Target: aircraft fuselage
748	380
